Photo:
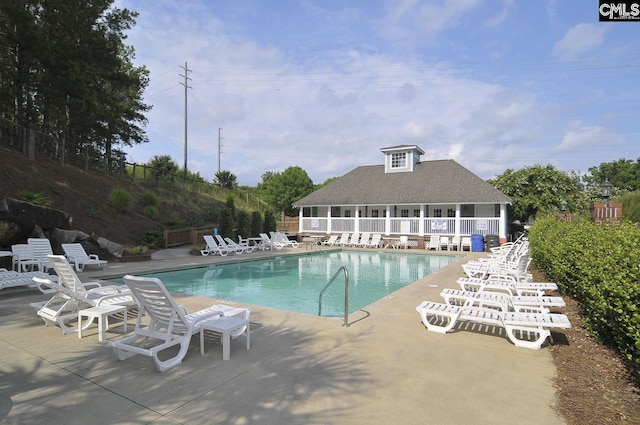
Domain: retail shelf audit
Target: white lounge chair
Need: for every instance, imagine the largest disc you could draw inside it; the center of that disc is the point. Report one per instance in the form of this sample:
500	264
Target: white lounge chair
353	239
506	285
281	238
76	254
242	243
236	249
212	247
504	302
41	248
376	241
268	243
331	241
444	243
364	240
169	324
526	330
402	242
344	239
13	279
434	243
71	296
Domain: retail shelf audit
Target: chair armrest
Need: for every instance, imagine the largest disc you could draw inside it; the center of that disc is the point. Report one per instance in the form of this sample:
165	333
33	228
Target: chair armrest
93	257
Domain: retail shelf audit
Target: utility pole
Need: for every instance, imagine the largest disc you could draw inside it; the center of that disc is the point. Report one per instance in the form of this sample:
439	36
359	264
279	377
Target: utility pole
219	138
186	86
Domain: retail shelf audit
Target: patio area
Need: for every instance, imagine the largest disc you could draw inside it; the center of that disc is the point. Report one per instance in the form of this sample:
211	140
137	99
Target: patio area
301	369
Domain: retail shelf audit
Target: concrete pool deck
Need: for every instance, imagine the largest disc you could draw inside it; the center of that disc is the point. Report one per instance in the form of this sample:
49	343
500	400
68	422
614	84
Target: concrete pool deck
385	368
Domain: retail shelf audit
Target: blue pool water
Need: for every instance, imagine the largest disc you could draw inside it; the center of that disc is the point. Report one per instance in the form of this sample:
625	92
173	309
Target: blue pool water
293	283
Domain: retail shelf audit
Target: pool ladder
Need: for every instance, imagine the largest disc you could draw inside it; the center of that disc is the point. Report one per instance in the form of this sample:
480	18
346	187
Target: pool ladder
346	294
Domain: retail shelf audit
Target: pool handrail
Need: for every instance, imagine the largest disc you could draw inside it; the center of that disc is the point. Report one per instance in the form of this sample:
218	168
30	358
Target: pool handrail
346	294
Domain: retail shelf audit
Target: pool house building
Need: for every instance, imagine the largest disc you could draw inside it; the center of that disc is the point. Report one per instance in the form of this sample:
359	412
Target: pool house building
406	197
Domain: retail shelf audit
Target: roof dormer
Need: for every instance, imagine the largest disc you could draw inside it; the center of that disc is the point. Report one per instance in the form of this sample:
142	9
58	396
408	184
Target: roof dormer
401	158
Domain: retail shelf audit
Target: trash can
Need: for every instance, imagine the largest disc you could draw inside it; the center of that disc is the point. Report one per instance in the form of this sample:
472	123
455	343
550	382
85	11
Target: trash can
492	241
477	242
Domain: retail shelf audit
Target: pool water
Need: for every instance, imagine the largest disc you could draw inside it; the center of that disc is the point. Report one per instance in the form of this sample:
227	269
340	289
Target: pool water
293	283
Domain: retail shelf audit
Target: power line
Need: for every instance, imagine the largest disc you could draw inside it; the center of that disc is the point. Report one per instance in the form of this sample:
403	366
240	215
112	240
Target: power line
186	87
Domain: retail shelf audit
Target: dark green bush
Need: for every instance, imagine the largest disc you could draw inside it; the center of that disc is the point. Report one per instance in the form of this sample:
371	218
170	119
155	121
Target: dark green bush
225	227
256	224
121	199
243	223
269	224
149	198
150	211
599	266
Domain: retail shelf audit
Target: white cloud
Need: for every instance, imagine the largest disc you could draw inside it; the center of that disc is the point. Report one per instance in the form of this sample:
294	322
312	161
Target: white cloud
579	39
582	136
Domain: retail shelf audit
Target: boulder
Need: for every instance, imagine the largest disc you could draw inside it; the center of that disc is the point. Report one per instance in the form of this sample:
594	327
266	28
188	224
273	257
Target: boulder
20	220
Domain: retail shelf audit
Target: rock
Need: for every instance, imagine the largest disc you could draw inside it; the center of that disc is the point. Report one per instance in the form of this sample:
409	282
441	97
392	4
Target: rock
114	249
18	220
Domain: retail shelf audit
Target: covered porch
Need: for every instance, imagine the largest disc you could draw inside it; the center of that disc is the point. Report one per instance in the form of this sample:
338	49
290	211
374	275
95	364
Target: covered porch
418	220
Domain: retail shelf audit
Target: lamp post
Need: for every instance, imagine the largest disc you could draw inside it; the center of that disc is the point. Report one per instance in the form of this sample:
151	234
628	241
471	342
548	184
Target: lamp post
606	188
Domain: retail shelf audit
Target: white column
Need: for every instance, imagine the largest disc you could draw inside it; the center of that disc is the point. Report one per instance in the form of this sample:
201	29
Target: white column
457	221
329	220
502	226
387	221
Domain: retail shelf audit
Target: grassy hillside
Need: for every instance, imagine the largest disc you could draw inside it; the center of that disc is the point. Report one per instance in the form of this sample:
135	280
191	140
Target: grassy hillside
86	196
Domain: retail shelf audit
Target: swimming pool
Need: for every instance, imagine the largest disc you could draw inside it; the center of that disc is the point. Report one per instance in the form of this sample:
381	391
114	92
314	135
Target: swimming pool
293	283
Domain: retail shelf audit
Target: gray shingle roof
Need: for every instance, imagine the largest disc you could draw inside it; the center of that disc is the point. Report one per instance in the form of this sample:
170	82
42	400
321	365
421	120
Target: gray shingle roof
431	182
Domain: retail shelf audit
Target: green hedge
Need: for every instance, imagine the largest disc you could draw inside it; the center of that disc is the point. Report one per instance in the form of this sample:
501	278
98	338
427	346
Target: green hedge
598	266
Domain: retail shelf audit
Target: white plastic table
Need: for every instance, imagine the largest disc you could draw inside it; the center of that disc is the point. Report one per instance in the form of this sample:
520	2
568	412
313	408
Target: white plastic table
102	313
225	326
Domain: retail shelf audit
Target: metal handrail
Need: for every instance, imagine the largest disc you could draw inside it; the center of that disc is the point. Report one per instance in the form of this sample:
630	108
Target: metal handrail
346	294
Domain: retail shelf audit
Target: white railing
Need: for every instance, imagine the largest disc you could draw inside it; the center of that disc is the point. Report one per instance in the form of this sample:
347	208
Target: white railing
402	225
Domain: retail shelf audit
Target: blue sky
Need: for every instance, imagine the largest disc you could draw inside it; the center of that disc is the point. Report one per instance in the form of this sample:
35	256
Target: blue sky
324	85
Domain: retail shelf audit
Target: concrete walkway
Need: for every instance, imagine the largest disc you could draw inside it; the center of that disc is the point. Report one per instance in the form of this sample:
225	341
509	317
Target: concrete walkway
383	369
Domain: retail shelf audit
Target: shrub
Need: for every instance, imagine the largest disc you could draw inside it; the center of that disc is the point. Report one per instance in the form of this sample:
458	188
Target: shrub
120	199
256	224
226	223
150	211
269	224
34	198
149	198
243	223
599	267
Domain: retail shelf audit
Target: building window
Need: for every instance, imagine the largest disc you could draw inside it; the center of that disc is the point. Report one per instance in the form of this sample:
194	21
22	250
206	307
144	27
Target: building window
314	211
451	212
347	213
404	213
335	211
399	160
437	212
374	213
416	213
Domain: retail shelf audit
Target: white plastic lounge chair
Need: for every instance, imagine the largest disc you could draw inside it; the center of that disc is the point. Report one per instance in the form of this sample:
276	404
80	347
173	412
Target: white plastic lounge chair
331	241
504	302
444	243
268	243
12	279
62	309
344	239
525	330
223	245
364	240
76	254
434	243
169	324
244	243
455	243
24	258
376	241
281	238
506	285
212	247
465	243
41	248
353	240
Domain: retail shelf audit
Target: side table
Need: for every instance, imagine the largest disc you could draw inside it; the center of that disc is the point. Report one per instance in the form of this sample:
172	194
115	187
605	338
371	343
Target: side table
225	326
102	313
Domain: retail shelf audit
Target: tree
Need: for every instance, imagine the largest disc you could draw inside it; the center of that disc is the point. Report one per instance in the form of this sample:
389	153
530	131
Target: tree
283	189
539	190
269	224
163	167
623	174
226	180
65	68
243	224
226	223
256	224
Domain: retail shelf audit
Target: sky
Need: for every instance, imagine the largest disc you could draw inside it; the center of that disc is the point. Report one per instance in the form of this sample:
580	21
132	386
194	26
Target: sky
325	84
